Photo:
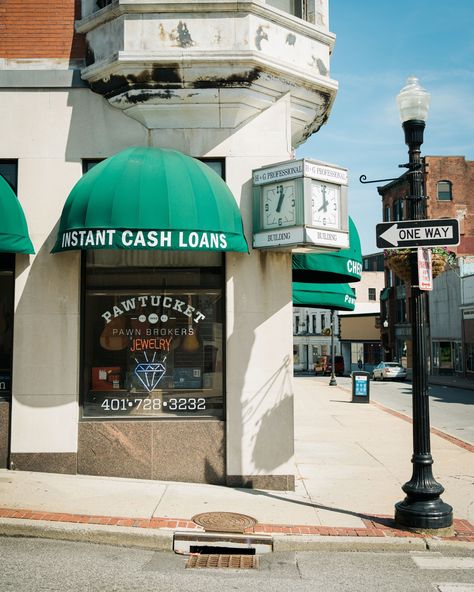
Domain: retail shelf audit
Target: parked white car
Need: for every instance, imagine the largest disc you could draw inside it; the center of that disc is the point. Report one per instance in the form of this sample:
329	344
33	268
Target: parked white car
389	370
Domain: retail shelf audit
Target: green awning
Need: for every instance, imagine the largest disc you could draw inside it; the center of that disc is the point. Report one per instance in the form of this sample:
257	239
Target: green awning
385	294
151	198
330	296
340	266
14	236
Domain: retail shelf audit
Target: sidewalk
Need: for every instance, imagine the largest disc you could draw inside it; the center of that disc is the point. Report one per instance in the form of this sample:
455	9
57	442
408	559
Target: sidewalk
351	461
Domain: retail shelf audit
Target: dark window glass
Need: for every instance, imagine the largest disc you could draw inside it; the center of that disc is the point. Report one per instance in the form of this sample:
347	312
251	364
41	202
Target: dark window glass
372	294
444	189
89	163
398	210
153	335
9	170
6	323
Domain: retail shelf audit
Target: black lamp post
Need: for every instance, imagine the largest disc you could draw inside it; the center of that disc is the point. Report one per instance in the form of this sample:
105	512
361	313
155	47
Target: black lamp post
332	381
422	509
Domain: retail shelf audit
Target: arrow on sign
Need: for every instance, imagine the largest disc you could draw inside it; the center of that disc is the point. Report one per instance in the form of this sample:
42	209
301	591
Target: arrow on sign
413	233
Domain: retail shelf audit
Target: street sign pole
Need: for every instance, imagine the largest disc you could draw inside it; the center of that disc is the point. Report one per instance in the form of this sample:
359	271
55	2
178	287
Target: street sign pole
422	509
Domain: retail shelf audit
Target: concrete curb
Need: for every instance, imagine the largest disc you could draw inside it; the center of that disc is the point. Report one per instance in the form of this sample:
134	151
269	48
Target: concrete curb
162	540
344	543
119	536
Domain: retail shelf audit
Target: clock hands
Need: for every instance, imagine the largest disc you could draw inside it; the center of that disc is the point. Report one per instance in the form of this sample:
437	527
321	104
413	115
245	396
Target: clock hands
324	206
281	193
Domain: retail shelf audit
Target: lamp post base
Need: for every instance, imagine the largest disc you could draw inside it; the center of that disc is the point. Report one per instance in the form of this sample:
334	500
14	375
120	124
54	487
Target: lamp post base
424	515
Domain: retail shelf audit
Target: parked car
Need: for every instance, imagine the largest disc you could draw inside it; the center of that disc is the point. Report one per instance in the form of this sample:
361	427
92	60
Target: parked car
389	370
323	365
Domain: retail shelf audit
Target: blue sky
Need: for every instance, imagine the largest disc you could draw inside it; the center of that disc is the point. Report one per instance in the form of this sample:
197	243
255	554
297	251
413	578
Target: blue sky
379	43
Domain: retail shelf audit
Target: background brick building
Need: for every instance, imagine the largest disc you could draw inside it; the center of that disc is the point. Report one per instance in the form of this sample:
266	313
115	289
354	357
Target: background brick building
447	185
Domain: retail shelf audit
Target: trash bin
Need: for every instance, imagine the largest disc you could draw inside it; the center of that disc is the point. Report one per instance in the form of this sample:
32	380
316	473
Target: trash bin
360	387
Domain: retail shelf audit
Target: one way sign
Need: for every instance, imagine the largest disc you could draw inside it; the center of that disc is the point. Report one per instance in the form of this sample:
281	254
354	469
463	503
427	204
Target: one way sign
418	233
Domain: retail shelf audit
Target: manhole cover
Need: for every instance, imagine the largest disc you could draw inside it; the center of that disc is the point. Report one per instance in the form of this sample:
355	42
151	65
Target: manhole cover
224	521
218	561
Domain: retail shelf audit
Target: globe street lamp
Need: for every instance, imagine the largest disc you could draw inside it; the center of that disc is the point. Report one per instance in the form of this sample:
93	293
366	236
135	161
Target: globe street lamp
422	509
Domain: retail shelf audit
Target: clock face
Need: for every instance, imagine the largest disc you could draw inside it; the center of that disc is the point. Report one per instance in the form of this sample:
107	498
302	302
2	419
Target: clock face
279	205
325	201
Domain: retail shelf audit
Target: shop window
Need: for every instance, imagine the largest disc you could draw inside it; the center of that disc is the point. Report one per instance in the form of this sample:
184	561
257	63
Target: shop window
9	171
7	262
444	190
470	357
153	335
372	294
458	356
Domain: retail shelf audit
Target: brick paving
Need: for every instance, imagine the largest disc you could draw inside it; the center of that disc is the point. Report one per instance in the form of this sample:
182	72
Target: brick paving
375	526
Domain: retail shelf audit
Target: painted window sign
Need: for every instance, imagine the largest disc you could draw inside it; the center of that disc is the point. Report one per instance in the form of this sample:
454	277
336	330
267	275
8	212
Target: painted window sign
153	353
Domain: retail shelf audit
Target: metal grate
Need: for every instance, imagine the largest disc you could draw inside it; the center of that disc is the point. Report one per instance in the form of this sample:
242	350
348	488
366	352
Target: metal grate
224	521
222	561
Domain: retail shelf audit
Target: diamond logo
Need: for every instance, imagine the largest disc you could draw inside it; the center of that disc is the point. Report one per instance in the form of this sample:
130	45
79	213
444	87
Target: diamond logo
150	374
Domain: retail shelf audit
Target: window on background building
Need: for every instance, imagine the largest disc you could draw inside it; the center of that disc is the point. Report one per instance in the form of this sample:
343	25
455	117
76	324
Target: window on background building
313	323
398	209
444	190
386	214
297	324
401	310
323	322
458	356
470	357
372	294
296	354
357	353
9	171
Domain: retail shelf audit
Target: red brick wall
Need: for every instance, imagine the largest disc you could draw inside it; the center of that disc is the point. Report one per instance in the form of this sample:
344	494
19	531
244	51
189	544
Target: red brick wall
460	172
40	29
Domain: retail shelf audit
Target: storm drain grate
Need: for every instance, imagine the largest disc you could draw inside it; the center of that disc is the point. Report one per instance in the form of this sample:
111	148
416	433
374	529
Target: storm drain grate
221	561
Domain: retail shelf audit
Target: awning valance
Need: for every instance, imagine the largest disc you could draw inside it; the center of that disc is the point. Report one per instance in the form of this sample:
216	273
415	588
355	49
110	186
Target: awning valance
151	198
14	236
330	296
339	266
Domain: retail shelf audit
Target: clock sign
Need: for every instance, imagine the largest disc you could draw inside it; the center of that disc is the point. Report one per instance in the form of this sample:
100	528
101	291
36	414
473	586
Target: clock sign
300	205
325	204
279	205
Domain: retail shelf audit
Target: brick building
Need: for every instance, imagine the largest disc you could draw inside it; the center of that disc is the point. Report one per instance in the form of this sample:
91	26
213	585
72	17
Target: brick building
448	182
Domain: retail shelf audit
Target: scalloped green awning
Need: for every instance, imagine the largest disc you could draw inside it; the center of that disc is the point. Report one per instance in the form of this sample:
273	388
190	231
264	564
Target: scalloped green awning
14	236
331	296
151	198
340	266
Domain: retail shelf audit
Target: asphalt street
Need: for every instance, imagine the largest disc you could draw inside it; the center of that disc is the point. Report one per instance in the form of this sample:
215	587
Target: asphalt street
451	409
30	565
